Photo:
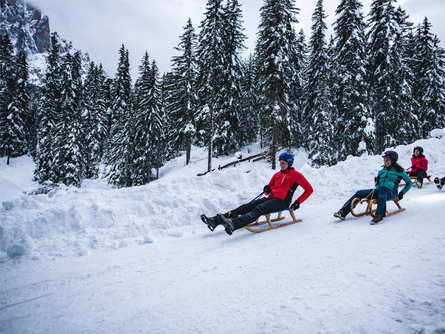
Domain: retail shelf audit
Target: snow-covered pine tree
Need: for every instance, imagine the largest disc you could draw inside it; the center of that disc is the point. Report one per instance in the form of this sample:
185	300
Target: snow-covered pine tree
429	79
379	74
94	120
68	146
298	122
183	105
401	81
120	147
157	117
318	107
12	114
144	137
248	119
227	128
23	100
275	68
210	55
48	115
355	126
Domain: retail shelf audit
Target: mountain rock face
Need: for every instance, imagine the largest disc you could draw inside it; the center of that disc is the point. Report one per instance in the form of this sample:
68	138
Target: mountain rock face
25	25
29	31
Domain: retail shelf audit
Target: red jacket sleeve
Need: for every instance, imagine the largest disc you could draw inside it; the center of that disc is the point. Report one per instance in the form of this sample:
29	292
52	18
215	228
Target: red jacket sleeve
308	190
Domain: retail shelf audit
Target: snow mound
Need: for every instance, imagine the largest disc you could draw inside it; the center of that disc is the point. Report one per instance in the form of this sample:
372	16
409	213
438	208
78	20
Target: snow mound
75	221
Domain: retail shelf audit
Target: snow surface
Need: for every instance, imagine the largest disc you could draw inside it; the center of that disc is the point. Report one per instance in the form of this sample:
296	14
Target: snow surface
139	260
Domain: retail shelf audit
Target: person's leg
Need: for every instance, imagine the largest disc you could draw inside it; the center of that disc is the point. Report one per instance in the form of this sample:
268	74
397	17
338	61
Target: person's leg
420	176
384	195
213	222
245	208
271	205
364	193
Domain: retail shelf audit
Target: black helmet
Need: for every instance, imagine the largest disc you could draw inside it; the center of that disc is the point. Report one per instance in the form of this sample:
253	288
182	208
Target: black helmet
392	155
288	157
418	148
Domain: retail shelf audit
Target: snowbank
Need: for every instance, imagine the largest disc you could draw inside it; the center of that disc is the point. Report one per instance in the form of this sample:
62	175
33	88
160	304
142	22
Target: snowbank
74	221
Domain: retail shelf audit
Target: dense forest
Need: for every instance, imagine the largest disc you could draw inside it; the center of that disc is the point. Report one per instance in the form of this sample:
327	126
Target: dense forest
378	82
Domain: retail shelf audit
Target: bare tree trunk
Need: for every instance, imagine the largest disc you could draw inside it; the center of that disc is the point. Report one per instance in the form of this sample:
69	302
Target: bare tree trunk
187	150
209	165
273	149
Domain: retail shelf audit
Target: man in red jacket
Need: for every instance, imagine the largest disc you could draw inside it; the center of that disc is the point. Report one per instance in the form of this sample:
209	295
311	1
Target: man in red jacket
279	190
419	165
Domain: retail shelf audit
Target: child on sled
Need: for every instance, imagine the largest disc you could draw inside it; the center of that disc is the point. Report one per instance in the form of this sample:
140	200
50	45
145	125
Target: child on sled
280	190
387	182
419	165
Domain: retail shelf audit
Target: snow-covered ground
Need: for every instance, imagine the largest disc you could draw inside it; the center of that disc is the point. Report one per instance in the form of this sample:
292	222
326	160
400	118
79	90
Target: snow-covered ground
139	260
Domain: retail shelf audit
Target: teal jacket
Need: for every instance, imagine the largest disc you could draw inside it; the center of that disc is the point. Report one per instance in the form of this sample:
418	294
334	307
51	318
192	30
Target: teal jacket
390	177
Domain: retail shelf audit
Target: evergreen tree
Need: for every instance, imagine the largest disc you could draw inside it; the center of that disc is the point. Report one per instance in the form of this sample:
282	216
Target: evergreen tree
401	82
23	101
211	54
298	122
248	120
145	107
379	68
355	126
275	72
429	79
318	107
120	148
94	120
183	106
48	115
68	141
156	121
228	136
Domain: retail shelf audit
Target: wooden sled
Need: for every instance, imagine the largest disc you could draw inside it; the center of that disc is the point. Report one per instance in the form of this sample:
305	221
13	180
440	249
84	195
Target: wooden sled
414	179
370	211
270	220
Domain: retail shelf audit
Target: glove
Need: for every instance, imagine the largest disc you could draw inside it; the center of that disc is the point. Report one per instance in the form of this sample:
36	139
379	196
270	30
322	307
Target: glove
376	180
414	166
267	189
295	205
400	196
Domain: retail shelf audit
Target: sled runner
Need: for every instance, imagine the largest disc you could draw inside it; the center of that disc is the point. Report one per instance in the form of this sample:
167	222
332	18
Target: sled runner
270	220
369	210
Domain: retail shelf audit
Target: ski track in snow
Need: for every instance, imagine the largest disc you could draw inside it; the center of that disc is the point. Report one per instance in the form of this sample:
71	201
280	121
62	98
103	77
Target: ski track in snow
126	261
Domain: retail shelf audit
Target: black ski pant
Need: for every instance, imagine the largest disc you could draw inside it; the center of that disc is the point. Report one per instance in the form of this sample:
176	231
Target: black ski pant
248	213
421	174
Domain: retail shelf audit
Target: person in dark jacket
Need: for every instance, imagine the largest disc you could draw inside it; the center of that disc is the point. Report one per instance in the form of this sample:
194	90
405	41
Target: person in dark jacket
419	165
280	190
439	182
387	182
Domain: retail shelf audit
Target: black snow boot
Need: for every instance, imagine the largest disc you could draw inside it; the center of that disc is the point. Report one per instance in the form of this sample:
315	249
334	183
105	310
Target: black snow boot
340	214
226	222
211	222
377	218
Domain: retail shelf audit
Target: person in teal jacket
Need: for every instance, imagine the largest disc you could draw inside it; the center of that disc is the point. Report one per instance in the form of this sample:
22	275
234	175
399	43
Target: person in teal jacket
387	183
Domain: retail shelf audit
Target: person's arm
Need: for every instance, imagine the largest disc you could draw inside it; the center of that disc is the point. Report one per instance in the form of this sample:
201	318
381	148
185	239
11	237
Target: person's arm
408	182
423	165
308	190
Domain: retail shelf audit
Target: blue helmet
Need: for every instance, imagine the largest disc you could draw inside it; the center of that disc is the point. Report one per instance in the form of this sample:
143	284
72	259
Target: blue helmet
288	157
392	155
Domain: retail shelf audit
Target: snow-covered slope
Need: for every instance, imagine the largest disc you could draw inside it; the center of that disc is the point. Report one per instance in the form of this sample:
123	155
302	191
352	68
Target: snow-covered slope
143	262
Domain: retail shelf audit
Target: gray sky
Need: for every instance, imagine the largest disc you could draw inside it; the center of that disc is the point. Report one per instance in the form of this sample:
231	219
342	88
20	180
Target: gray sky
100	27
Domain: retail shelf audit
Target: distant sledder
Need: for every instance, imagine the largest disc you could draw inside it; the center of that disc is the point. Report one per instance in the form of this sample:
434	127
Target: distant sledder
387	182
439	182
419	167
279	190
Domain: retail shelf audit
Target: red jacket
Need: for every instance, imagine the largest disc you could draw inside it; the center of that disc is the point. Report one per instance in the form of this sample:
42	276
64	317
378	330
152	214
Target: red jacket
420	162
284	183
